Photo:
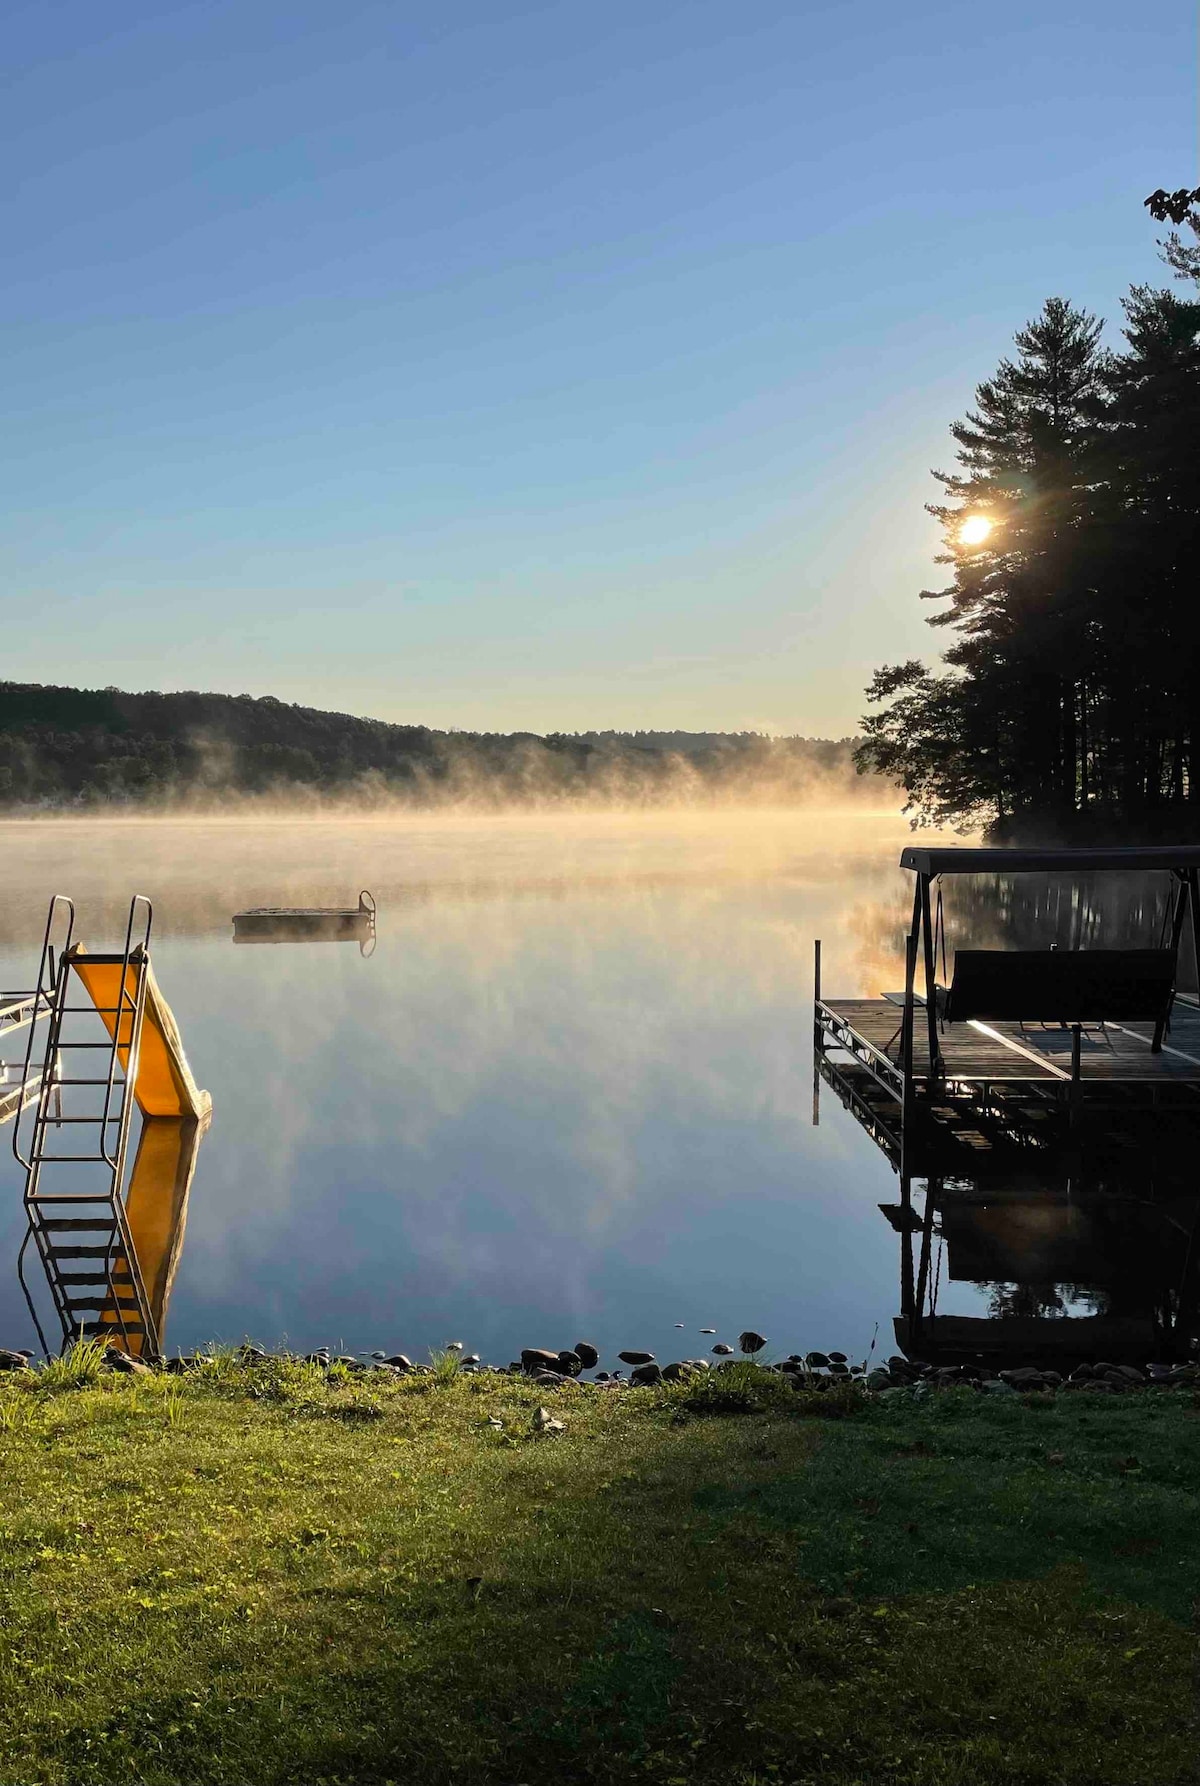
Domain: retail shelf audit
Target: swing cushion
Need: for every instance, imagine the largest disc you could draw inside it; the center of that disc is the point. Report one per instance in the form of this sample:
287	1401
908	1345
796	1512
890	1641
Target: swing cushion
1060	985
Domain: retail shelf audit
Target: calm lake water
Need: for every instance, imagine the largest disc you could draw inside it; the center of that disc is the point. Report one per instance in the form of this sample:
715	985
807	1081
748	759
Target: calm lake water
569	1096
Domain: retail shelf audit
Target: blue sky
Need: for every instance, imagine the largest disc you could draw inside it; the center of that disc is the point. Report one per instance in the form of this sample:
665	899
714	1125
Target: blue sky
534	366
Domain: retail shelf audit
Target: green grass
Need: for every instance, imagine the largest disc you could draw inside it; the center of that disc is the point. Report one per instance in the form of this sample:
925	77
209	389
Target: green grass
260	1575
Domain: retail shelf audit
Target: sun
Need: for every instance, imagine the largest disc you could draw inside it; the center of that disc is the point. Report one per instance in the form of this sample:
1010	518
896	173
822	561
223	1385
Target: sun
974	530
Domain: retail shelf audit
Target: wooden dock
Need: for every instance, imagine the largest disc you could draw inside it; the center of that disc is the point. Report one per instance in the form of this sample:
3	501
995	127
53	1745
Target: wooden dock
1114	1061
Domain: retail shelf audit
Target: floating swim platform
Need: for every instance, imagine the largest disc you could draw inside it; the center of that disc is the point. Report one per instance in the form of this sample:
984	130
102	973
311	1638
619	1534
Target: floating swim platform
307	924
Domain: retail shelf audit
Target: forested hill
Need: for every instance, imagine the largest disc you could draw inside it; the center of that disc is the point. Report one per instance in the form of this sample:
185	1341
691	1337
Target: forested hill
72	747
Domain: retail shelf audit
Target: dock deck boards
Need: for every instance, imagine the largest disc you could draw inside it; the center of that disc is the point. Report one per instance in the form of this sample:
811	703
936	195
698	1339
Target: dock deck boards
967	1054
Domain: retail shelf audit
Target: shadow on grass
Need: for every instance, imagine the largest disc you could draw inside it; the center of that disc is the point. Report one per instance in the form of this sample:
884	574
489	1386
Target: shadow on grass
718	1602
933	1500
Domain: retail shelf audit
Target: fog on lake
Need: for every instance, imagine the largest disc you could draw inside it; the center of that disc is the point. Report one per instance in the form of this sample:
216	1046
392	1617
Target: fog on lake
568	1096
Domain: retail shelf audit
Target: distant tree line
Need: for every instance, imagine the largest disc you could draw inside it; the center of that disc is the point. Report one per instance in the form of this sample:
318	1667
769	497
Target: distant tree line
78	748
1068	703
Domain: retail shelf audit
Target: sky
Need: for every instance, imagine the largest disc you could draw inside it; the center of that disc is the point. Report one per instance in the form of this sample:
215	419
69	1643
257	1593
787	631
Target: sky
534	367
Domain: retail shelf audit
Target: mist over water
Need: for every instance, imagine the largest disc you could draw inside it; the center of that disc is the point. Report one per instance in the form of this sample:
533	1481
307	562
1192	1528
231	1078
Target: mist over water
569	1096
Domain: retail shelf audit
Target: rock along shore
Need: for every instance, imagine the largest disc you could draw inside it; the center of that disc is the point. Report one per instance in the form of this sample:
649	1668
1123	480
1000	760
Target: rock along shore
810	1371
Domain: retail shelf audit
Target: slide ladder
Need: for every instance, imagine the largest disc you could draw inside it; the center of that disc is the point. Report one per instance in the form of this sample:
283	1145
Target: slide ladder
78	1138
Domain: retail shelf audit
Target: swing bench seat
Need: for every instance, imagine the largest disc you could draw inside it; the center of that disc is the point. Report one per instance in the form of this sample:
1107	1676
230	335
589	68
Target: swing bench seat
1066	987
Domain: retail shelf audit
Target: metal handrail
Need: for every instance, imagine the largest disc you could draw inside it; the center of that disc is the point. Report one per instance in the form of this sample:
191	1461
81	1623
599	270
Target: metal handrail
45	990
137	1012
30	1304
366	905
136	1006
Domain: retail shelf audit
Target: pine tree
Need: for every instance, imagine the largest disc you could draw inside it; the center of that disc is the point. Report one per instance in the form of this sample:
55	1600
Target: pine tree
1149	612
1179	207
1001	734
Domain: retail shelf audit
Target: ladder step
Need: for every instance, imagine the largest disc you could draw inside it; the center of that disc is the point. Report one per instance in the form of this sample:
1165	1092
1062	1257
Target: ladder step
107	1330
97	1275
103	1222
43	1196
83	1273
132	1320
100	1302
85	1252
117	1084
57	1121
49	1198
68	1159
59	1224
133	959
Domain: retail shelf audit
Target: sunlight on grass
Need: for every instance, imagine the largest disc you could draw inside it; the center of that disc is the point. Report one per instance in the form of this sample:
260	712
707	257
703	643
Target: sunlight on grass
445	1364
240	1575
79	1366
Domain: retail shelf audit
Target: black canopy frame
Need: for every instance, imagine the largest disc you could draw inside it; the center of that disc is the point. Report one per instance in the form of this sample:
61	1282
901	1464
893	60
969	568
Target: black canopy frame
1181	861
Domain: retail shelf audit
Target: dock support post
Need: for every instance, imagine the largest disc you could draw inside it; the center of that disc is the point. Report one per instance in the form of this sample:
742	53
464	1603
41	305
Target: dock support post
818	1034
906	1028
908	1306
1185	891
907	1279
1178	917
1076	1074
932	1191
1189	1283
935	1053
910	989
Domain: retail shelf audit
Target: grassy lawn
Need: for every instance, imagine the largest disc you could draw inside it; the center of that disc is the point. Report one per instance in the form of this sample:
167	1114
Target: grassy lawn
258	1575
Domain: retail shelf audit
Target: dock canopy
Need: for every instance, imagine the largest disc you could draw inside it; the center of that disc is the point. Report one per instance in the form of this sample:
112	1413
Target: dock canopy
969	861
1180	860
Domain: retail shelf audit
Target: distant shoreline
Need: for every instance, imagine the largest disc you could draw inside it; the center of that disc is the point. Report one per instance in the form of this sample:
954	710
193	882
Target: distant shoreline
83	750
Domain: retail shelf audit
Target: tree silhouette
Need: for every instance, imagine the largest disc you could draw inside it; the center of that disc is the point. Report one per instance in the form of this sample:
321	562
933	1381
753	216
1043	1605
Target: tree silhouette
1067	701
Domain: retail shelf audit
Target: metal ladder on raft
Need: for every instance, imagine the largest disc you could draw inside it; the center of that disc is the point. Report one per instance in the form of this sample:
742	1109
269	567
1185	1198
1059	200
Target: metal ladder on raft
74	1189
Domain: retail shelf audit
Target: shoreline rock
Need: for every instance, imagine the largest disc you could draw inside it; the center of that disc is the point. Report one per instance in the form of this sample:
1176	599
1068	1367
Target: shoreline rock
813	1371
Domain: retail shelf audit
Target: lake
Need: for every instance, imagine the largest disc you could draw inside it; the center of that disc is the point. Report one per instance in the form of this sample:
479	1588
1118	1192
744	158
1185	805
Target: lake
569	1096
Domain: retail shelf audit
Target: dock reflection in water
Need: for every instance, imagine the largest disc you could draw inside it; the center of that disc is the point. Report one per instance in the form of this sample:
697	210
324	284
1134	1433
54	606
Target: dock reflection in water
1082	1254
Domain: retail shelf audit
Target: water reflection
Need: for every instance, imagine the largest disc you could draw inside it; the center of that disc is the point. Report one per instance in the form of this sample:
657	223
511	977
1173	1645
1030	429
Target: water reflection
570	1096
1071	1275
1081	1250
156	1207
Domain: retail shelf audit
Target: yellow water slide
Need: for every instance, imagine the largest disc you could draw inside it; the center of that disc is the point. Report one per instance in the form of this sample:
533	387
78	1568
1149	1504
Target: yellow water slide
163	1085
